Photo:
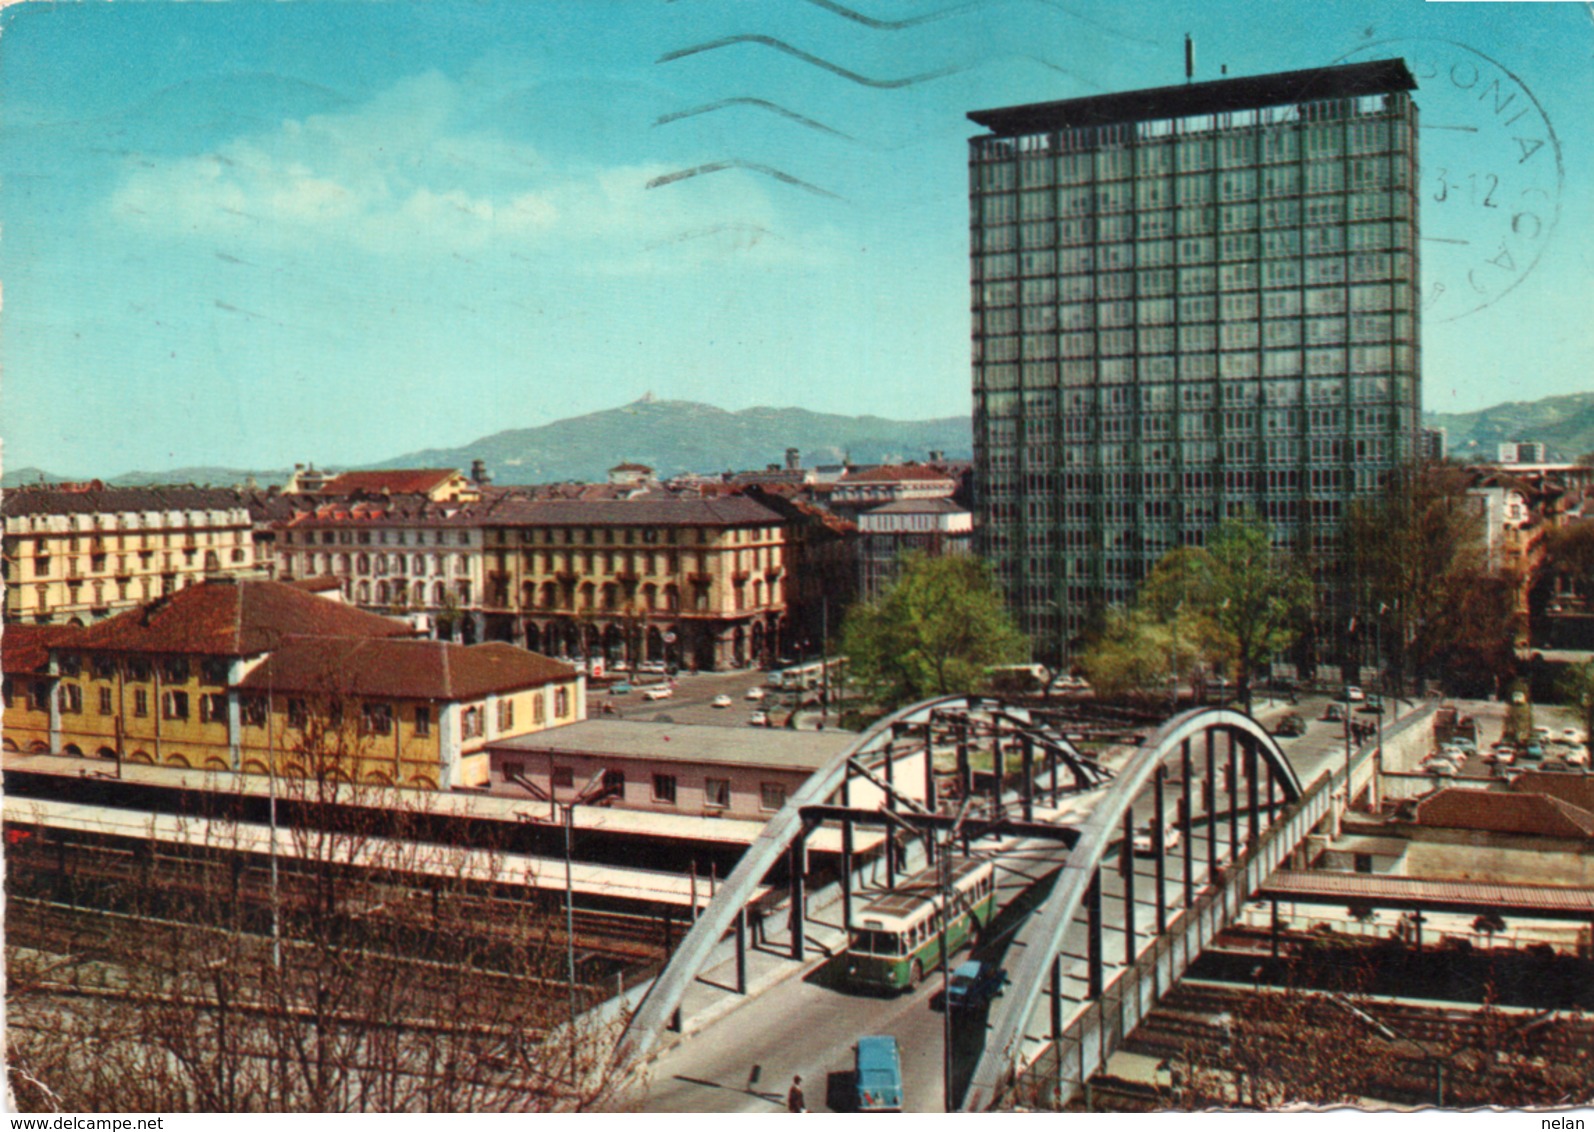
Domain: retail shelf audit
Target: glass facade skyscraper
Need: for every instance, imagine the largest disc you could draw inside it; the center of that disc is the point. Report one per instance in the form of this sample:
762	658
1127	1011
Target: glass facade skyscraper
1189	303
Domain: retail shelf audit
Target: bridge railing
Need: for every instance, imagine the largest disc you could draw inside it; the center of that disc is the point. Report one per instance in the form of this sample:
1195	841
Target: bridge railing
1059	1073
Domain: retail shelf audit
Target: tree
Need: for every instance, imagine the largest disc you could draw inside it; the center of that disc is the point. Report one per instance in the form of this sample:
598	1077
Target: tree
417	981
1577	685
1233	604
935	631
1251	595
1419	557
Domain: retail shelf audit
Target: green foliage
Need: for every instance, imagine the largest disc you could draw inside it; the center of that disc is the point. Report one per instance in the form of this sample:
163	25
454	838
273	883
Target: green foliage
934	632
1577	686
1422	574
1231	605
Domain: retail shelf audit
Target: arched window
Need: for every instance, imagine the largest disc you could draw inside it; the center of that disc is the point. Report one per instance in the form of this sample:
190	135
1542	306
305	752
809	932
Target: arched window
418	564
419	591
439	594
363	563
381	593
362	593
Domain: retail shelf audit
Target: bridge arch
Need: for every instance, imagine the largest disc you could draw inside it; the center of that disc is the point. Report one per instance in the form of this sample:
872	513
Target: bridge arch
1079	876
797	817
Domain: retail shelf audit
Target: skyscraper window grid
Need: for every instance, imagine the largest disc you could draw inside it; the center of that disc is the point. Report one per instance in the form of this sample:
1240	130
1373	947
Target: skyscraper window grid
1189	304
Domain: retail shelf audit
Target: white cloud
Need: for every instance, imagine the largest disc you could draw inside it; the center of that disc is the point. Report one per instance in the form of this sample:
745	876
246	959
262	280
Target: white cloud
397	176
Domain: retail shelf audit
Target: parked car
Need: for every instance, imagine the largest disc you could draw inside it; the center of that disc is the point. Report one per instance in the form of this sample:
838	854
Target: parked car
974	984
620	689
1442	767
1462	743
652	667
758	719
1506	755
755	693
658	692
878	1063
1353	694
1542	734
1578	758
1571	736
1291	724
1334	712
1533	752
721	701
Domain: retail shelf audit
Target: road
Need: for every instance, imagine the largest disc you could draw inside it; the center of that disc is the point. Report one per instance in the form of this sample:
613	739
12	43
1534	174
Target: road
808	1026
714	1071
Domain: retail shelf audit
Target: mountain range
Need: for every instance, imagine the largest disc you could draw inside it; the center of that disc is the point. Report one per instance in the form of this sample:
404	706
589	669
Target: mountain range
687	436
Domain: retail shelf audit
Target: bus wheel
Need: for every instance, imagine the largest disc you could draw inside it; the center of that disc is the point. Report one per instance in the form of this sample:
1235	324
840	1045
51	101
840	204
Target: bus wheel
915	975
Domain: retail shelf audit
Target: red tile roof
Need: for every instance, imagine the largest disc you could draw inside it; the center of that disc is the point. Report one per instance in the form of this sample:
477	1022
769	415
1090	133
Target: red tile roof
237	618
1499	812
322	583
402	481
402	669
892	473
26	648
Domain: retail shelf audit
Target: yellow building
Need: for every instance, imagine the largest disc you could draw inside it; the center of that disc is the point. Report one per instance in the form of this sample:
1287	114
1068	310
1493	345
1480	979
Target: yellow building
243	675
29	686
80	552
685	579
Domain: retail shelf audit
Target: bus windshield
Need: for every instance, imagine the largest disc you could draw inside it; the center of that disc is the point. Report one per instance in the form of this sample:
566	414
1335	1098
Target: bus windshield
876	943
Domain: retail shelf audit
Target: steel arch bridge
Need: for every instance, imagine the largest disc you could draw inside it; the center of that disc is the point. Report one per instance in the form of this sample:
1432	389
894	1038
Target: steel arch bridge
1252	753
888	778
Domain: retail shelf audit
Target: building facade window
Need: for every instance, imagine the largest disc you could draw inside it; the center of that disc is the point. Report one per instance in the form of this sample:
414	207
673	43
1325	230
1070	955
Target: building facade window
717	793
664	788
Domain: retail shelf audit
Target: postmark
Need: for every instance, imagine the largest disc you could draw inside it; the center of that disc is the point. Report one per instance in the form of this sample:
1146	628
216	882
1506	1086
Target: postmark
1490	174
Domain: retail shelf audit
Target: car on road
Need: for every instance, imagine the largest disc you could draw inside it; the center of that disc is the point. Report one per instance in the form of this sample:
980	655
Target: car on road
758	719
1291	725
651	667
1145	845
1334	712
721	701
1462	743
1577	757
974	984
620	689
755	693
1542	734
1533	752
878	1065
1438	766
658	692
1354	695
1572	737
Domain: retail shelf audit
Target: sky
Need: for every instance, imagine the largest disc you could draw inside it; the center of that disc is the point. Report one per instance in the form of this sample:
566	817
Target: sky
251	234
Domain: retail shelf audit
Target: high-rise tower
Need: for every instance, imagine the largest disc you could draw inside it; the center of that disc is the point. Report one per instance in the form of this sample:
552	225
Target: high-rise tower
1190	303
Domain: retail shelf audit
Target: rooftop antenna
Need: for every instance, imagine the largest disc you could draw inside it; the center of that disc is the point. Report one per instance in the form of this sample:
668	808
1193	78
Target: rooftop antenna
1189	58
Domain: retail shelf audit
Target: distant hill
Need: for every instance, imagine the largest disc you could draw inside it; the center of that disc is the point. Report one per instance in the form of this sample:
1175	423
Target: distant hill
1564	424
685	436
203	475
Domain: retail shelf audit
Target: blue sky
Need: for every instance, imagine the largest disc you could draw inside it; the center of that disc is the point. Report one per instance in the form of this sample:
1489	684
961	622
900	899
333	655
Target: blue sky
254	233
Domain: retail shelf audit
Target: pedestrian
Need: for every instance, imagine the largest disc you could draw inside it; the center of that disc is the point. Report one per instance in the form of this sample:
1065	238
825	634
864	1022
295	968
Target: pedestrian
794	1098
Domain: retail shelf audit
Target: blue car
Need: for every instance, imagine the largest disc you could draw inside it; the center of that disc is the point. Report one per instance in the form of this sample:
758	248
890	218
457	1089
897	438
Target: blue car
879	1066
974	984
620	689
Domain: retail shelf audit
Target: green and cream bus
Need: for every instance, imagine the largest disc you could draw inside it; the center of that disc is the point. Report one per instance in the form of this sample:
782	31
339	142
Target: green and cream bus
897	937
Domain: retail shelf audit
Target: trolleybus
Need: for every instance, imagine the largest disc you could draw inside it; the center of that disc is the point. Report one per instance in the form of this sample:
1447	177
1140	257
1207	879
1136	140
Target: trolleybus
897	937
